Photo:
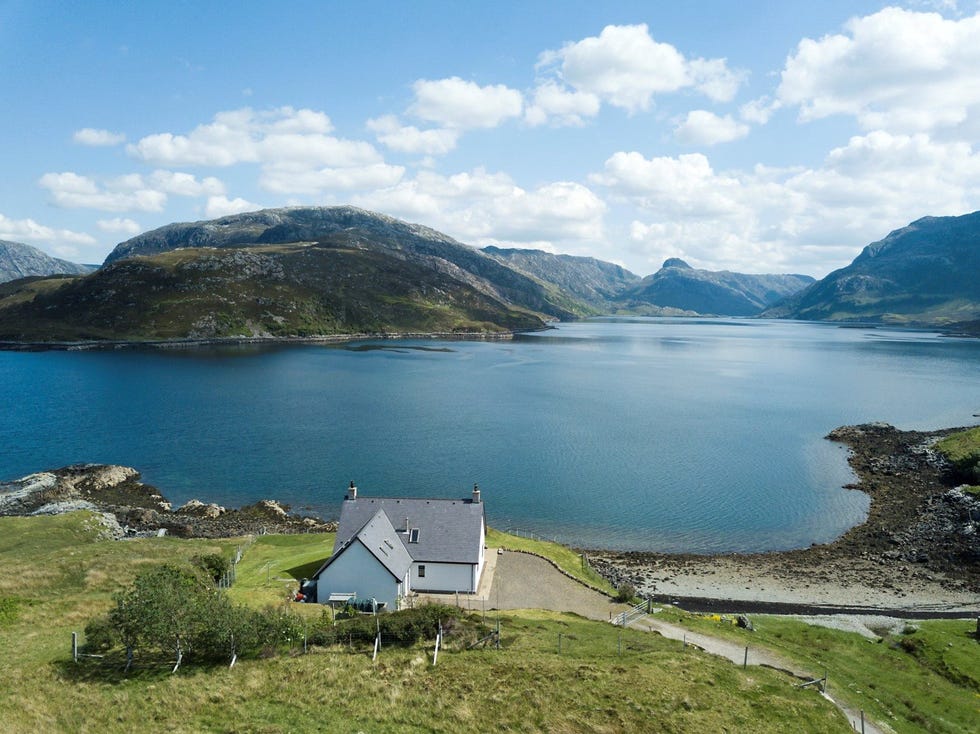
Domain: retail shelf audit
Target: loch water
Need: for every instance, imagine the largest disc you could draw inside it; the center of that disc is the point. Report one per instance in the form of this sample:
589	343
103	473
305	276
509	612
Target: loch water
662	434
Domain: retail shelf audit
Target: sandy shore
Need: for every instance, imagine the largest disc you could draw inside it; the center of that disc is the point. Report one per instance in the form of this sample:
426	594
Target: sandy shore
919	549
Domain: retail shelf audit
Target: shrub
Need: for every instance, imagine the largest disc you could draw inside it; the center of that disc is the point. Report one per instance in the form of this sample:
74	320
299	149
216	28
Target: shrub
625	593
100	636
214	565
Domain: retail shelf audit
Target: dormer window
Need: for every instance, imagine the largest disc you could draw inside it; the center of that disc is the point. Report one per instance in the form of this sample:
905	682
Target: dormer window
413	535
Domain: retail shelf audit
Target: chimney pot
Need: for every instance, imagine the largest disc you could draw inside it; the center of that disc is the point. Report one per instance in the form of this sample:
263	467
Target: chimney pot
476	494
352	491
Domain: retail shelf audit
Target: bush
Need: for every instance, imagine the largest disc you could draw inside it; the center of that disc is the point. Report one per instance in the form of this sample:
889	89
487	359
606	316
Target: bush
625	593
100	636
214	565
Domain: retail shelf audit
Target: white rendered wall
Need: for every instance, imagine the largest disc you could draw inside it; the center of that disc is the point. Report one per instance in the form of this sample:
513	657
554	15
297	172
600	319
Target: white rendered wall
443	577
357	571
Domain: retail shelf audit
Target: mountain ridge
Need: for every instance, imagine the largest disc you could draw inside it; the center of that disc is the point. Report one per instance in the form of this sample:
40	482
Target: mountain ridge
18	260
925	273
712	292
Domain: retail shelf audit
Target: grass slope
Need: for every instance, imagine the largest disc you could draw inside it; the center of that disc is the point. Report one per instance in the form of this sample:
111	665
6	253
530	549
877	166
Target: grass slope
56	573
926	678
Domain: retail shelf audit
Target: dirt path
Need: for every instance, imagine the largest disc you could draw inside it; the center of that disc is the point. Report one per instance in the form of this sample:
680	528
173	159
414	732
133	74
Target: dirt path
524	581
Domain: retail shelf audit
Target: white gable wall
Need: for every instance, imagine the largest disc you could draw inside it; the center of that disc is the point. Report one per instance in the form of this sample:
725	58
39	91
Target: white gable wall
357	571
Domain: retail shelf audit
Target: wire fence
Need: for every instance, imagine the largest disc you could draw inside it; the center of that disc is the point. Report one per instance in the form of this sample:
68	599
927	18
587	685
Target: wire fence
228	577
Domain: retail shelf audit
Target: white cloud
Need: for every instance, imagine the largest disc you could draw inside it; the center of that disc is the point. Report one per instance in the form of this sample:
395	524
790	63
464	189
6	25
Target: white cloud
560	106
120	225
898	70
126	193
758	111
714	79
131	192
626	67
483	208
702	127
801	219
456	103
98	138
409	139
30	231
293	147
184	184
235	136
220	206
300	179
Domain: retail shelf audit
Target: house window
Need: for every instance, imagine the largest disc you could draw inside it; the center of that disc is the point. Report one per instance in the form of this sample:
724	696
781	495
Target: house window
421	572
413	537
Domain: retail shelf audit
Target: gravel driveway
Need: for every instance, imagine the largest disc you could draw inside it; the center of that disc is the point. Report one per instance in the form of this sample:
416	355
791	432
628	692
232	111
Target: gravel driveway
524	581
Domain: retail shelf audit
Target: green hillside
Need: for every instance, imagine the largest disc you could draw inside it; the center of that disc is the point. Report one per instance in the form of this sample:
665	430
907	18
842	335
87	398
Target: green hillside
927	273
298	290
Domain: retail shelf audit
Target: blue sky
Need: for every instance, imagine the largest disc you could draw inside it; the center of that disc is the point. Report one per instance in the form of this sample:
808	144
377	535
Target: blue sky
759	137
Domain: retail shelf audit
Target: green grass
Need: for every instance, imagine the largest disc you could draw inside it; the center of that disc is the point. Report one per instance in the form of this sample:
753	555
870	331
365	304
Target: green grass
962	449
924	681
56	574
272	567
564	557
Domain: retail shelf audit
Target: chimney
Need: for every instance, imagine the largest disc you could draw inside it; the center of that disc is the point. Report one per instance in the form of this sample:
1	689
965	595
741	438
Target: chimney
352	491
476	494
407	526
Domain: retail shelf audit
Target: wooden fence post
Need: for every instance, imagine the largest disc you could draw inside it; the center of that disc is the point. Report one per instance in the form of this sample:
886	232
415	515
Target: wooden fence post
74	646
745	660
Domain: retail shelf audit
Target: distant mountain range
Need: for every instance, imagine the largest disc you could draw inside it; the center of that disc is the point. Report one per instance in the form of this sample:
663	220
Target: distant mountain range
317	271
677	285
927	273
18	260
593	282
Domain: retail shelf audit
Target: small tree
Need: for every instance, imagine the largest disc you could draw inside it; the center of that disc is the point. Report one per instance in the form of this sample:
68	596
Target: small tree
166	609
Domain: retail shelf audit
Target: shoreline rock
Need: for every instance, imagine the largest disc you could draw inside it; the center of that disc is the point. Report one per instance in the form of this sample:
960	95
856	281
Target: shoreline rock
920	543
193	342
117	493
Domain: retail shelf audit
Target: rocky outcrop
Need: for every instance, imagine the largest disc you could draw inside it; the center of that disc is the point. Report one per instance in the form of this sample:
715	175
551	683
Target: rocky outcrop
129	507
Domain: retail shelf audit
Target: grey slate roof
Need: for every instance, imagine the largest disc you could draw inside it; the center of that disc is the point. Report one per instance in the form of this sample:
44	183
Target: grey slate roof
381	540
449	530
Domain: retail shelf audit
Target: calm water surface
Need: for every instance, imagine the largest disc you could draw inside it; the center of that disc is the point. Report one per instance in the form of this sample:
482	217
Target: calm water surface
679	435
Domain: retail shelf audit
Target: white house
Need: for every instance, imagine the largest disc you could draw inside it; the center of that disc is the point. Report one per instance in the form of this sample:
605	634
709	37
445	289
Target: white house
388	547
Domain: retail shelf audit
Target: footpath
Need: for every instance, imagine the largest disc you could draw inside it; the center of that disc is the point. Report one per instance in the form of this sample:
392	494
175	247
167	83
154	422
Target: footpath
525	581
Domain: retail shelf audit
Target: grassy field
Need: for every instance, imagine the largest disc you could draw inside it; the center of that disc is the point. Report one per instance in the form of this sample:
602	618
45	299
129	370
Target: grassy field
924	678
56	574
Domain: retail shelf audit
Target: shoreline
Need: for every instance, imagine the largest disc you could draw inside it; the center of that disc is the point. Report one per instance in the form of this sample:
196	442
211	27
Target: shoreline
917	553
193	343
918	549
